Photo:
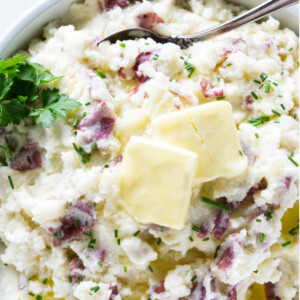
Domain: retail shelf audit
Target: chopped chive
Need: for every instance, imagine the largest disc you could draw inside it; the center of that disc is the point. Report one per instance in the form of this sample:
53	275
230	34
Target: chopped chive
292	154
293	231
79	261
116	233
275	83
276	113
106	166
195	228
84	114
156	56
270	213
32	277
48	247
147	44
193	278
258	220
256	135
257	81
280	96
85	157
255	271
261	86
295	116
190	68
241	153
137	38
38	297
276	121
11	182
267	88
119	242
191	239
283	107
263	76
31	294
162	228
45	280
159	241
262	237
122	45
286	244
95	289
70	279
216	252
259	121
100	264
125	269
136	233
218	79
293	161
281	73
221	98
150	268
228	64
75	123
254	95
290	49
216	204
205	239
77	223
94	146
79	278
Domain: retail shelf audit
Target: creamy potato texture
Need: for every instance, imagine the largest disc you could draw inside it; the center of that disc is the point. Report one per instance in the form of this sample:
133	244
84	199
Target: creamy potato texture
64	229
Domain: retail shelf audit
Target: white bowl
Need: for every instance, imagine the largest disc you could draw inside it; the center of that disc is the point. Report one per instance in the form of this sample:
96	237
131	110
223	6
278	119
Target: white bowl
31	24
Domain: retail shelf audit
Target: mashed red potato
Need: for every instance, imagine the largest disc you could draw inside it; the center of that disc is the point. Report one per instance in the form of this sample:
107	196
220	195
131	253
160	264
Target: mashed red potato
65	233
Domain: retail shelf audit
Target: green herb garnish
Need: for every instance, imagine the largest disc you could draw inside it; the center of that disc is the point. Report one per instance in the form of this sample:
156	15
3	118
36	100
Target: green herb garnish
286	244
216	252
276	113
216	204
122	45
85	157
195	228
254	95
259	121
262	237
100	74
11	182
190	68
193	278
136	233
95	289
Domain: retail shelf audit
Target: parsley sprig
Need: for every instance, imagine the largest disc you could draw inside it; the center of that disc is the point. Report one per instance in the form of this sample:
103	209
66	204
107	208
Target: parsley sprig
21	93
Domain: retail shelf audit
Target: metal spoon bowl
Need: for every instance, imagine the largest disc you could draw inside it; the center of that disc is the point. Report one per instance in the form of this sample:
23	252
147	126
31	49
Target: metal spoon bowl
186	41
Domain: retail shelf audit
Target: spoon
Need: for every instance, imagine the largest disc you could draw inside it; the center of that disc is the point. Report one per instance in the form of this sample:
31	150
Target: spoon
186	41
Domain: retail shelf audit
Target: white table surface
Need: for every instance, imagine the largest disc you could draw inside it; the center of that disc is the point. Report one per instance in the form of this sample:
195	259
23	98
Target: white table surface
11	10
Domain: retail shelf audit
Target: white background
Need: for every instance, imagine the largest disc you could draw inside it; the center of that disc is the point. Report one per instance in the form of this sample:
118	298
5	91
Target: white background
11	10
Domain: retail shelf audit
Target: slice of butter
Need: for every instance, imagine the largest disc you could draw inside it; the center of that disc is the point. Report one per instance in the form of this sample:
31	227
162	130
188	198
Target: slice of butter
208	130
156	180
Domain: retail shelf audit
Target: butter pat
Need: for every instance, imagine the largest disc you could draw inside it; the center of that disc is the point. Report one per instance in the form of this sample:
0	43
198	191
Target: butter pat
208	130
156	180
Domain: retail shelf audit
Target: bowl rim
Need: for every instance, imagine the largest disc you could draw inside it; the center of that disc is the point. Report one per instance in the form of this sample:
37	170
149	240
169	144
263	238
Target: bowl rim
23	21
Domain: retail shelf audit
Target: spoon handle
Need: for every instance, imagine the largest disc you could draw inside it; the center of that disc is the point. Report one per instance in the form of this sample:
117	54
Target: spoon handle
256	13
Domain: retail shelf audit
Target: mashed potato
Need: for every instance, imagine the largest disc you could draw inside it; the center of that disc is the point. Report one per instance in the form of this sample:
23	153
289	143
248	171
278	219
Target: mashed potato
64	231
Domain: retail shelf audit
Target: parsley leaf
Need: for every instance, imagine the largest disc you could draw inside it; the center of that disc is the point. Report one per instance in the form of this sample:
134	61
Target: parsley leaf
12	111
54	105
35	73
11	62
21	94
